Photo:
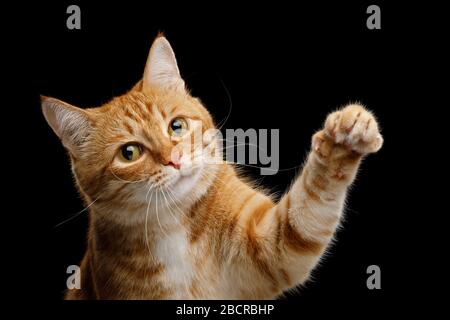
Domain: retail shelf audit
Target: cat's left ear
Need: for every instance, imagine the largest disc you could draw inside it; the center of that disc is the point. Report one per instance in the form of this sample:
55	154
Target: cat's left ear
161	70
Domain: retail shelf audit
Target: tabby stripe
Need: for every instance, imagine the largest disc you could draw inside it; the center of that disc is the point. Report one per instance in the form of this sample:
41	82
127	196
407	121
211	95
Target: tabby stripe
298	242
236	215
309	191
253	245
128	127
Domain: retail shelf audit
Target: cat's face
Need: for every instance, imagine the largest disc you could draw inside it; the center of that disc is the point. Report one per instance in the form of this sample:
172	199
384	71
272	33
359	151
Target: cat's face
154	139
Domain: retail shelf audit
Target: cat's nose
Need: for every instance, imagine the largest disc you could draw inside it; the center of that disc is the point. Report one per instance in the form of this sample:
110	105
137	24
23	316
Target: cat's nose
175	165
174	160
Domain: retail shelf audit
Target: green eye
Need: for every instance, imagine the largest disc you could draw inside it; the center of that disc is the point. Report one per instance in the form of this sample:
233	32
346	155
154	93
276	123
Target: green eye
130	152
177	127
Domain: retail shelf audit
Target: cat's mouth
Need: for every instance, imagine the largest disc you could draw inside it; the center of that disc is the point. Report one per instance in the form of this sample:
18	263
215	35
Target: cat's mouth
181	177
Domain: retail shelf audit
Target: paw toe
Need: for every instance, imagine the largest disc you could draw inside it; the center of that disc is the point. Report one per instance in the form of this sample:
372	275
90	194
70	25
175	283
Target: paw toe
355	128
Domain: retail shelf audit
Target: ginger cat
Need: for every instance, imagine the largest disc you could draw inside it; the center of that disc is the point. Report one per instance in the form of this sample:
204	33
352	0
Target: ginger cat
167	225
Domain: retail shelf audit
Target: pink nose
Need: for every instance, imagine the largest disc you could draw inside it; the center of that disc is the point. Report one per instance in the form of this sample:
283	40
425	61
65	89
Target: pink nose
175	165
175	160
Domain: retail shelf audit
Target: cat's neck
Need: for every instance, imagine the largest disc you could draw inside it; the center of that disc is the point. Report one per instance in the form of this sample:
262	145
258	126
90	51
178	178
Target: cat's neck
120	228
150	245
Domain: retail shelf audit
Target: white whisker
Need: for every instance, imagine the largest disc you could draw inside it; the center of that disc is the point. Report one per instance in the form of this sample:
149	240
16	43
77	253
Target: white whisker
146	223
157	215
76	214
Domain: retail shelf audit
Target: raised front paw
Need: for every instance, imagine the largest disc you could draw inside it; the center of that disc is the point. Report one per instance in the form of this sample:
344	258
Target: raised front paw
353	127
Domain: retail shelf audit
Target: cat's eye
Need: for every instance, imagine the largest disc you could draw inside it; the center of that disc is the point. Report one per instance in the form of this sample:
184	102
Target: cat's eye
130	152
177	127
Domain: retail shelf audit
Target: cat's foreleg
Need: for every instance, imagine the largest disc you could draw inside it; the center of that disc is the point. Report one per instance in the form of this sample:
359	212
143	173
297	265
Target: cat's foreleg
311	211
284	241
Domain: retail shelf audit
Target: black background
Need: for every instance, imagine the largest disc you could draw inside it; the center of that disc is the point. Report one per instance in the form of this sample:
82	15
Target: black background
279	66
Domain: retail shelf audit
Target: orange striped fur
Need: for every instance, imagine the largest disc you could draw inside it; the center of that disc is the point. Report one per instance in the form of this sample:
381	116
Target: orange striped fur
156	233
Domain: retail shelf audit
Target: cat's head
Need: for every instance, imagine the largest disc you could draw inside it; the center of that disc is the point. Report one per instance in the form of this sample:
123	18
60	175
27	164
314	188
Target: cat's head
155	138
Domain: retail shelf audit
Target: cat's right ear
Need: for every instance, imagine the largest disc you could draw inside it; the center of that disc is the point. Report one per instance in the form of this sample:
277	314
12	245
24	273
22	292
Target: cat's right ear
71	124
161	70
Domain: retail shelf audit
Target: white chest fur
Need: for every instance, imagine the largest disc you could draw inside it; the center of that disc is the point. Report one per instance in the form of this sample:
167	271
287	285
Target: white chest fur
172	252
